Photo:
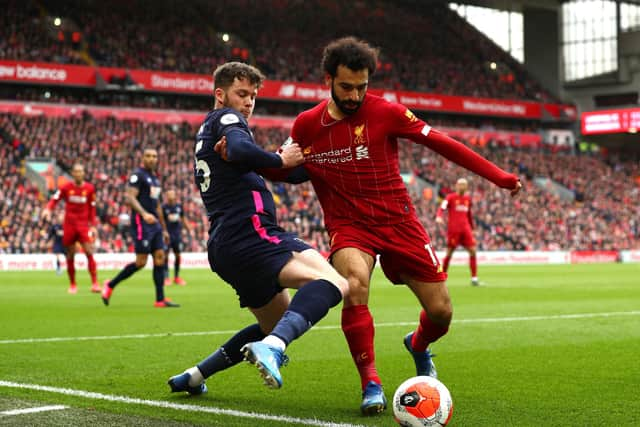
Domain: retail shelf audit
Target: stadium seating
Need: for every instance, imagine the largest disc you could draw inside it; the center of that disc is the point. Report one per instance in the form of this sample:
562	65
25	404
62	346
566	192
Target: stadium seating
603	216
129	34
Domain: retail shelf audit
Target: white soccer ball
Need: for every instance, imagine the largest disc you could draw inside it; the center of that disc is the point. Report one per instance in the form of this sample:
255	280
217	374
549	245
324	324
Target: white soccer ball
422	402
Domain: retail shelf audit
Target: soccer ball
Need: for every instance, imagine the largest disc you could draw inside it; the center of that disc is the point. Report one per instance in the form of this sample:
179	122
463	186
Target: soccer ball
422	402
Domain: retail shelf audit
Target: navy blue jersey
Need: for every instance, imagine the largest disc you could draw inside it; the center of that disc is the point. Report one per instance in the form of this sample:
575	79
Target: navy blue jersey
231	191
173	215
148	186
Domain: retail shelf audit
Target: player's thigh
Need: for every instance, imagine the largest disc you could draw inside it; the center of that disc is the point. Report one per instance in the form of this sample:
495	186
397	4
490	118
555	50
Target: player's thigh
70	236
269	314
356	266
306	266
434	298
87	247
158	257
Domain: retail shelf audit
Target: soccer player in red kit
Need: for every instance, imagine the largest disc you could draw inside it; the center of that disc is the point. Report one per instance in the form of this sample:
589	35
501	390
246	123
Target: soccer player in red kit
79	223
350	144
459	226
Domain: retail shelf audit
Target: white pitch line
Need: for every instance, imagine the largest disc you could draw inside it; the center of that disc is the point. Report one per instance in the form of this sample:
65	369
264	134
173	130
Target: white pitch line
331	327
176	406
34	410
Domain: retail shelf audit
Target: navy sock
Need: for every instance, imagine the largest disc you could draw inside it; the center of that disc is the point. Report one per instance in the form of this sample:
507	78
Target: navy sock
127	271
229	353
158	281
310	304
176	267
165	269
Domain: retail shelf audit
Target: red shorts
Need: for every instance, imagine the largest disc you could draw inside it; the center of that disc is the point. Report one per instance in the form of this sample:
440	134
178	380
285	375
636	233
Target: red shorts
74	233
404	249
457	238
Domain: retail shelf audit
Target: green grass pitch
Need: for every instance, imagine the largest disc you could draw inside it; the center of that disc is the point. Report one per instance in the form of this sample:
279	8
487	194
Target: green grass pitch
538	345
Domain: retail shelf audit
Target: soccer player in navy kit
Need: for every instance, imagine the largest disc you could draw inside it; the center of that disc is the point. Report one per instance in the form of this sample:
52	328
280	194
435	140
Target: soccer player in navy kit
246	246
55	233
148	228
174	218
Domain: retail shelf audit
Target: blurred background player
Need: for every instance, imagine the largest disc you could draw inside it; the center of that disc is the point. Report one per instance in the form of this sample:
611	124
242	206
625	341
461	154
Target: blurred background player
459	226
174	218
247	248
148	228
55	234
79	223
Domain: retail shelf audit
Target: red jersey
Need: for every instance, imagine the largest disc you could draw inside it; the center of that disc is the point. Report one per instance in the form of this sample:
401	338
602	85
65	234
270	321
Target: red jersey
459	209
80	209
353	162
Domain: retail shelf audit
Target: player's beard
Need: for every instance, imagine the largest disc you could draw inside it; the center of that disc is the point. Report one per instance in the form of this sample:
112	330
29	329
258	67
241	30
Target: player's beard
347	107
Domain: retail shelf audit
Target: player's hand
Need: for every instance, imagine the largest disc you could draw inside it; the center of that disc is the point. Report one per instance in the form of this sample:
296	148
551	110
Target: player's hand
221	148
439	220
291	155
93	233
149	219
165	236
516	190
46	215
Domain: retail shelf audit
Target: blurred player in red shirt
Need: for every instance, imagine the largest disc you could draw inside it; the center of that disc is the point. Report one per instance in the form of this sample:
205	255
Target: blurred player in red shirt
79	223
459	226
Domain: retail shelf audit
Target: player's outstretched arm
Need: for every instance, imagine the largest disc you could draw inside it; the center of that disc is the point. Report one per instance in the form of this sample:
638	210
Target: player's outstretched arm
295	175
469	159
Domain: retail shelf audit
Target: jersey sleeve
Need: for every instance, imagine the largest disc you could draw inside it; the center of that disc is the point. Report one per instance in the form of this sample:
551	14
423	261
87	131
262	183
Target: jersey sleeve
60	194
404	124
241	147
443	207
136	180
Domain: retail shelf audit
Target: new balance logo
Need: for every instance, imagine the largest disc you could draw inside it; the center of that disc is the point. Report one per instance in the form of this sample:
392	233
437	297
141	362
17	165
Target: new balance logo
362	152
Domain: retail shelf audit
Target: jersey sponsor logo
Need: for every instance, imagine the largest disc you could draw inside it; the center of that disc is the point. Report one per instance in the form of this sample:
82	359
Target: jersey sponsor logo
173	217
341	155
78	199
362	152
412	117
154	192
229	119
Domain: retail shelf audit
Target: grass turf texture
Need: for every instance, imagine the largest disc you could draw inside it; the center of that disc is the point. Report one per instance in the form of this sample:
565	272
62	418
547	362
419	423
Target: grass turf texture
581	371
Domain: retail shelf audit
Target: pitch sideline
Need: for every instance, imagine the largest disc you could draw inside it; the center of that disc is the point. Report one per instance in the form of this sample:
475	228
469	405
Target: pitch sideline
175	406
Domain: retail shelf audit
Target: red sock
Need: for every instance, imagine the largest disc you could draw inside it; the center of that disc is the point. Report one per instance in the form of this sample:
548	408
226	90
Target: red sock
426	333
71	270
445	263
92	268
357	325
473	264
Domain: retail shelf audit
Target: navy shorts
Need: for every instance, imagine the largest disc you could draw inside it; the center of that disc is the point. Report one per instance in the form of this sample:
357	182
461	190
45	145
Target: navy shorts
251	262
175	243
147	240
58	248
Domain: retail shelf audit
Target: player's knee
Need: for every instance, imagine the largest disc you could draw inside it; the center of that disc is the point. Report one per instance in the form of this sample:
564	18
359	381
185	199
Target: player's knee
358	293
342	284
441	313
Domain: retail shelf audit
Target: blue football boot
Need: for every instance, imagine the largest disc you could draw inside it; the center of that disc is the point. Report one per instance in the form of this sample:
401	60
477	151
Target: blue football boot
422	359
268	360
180	382
373	400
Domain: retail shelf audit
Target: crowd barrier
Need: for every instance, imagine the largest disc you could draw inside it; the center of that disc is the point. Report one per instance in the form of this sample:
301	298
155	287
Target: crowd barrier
114	261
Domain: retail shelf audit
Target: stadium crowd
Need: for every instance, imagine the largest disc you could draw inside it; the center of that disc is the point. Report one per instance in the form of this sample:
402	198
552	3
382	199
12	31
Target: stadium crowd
443	51
601	215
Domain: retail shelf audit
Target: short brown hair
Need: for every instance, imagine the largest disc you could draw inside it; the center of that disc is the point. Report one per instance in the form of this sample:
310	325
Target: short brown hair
225	74
352	53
